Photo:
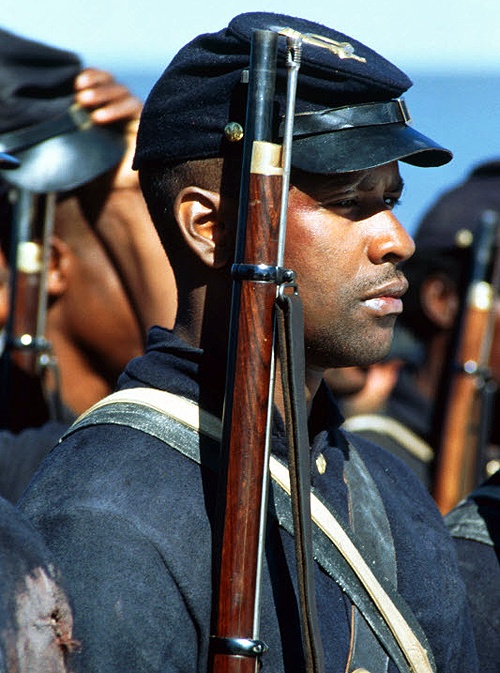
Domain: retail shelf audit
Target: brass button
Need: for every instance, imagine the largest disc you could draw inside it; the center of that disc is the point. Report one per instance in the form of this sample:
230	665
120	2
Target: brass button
361	670
233	132
321	463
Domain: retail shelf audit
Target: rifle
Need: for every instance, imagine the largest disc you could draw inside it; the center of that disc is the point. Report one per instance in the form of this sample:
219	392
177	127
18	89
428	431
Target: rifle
467	420
257	271
27	353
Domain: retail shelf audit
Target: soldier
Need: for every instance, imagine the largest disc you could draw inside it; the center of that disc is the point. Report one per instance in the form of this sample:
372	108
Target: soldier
475	527
102	284
129	510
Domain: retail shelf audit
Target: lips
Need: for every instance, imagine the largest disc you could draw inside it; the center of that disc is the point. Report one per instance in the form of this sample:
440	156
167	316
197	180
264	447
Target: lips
395	289
386	299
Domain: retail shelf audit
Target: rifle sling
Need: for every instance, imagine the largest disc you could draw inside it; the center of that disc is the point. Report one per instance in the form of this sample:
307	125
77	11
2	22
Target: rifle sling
177	422
290	328
367	510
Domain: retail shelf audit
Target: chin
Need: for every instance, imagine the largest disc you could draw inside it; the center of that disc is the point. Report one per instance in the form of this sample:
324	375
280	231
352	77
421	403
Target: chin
350	347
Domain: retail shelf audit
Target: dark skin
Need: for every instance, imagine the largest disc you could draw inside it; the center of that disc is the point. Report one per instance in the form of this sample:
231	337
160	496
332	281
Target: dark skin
344	243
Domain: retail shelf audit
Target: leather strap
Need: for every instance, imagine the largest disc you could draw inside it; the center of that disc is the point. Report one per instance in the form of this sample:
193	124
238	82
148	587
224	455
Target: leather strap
178	422
365	114
290	327
73	119
367	513
469	519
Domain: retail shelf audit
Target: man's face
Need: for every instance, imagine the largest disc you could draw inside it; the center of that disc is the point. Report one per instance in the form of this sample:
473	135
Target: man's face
344	243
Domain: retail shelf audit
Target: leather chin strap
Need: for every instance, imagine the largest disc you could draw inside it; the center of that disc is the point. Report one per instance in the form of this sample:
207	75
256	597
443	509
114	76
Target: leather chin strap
366	114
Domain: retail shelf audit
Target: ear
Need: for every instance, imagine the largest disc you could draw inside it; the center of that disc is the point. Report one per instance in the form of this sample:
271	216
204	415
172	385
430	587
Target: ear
59	265
197	212
440	301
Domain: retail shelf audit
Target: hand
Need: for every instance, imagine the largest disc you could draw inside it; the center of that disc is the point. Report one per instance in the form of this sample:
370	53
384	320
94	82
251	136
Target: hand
110	101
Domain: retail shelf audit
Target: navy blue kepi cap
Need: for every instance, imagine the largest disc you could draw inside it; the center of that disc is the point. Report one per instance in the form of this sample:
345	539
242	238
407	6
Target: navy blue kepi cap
349	114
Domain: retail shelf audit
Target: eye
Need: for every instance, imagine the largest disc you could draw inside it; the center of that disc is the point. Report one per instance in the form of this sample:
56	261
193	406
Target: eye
342	204
392	201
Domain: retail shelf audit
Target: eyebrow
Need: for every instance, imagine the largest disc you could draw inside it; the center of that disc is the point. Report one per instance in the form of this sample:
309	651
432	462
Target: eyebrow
369	181
342	184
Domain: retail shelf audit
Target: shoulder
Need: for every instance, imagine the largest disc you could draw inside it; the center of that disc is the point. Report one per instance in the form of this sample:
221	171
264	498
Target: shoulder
117	475
110	458
478	516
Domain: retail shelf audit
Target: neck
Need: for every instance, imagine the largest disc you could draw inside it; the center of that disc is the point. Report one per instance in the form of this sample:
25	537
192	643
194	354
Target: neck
208	330
313	378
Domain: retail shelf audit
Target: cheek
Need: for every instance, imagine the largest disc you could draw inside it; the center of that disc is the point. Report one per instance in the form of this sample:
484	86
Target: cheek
308	245
105	303
321	261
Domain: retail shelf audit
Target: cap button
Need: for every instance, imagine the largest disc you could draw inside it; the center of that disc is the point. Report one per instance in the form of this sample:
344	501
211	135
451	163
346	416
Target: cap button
233	132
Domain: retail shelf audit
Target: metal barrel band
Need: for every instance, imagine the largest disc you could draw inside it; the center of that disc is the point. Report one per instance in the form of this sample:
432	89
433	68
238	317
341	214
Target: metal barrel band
246	647
29	342
262	273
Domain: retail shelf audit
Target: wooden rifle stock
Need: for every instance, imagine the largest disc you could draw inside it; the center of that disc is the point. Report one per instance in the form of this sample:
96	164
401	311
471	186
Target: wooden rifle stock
235	645
462	433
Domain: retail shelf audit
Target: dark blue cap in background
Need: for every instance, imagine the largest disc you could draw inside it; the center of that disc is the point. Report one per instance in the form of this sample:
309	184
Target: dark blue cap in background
57	144
455	217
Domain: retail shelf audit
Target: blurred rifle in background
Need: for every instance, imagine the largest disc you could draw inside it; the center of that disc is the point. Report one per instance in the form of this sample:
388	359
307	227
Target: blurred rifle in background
467	416
27	354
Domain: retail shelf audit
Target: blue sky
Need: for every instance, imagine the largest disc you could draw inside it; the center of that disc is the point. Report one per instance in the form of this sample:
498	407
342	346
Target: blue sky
422	34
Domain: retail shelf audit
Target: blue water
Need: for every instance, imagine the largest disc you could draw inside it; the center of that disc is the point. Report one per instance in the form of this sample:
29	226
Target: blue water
461	112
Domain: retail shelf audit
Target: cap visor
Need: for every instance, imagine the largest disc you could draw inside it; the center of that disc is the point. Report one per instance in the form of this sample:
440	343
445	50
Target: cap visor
360	148
67	161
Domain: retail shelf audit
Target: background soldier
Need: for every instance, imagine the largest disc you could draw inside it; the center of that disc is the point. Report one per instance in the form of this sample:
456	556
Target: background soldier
102	284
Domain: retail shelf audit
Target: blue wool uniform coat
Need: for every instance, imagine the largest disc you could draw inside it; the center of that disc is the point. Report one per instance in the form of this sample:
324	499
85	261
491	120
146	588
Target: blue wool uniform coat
129	520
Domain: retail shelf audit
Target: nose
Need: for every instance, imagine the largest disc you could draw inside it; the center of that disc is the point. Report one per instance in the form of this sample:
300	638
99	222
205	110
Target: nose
390	242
